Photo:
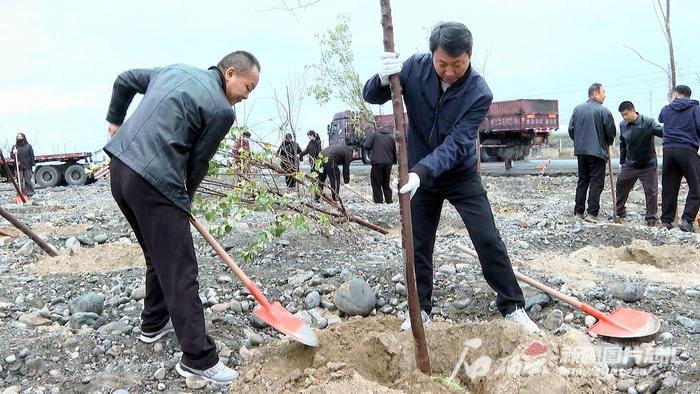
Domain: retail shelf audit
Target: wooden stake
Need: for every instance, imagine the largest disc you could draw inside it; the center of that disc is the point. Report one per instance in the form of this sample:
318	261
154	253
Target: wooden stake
26	230
422	359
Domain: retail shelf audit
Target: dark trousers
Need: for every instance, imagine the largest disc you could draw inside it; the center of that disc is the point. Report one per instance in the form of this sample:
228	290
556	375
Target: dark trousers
290	168
25	183
380	176
172	289
332	173
591	179
650	182
469	198
680	163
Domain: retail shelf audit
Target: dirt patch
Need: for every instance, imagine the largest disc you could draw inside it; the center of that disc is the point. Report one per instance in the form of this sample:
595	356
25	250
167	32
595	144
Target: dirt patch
100	258
370	355
672	265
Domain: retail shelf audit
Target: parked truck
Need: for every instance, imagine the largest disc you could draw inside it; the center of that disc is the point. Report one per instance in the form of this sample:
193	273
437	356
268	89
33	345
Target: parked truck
54	169
510	130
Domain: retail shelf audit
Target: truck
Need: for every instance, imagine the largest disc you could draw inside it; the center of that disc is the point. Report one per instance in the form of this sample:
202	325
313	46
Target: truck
511	128
509	131
53	169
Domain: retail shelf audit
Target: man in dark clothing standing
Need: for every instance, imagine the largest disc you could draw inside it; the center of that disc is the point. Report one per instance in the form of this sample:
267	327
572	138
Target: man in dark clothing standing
638	160
336	154
313	148
382	144
159	156
23	153
592	128
681	121
290	154
446	100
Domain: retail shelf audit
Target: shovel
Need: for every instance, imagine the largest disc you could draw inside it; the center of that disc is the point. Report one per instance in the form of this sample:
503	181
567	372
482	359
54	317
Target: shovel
273	314
620	323
616	218
21	198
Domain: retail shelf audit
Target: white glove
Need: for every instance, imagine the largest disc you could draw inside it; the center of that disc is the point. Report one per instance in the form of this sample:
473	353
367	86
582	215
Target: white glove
412	185
389	64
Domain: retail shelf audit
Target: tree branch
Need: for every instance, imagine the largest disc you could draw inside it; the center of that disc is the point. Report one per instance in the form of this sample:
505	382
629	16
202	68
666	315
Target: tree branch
647	60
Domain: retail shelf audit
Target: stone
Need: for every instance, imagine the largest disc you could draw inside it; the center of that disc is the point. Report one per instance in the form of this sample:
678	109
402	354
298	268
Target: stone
665	337
535	297
115	328
160	374
553	320
355	297
627	291
693	326
256	340
462	303
298	279
401	289
100	238
85	240
138	293
195	382
255	321
88	302
448	269
624	384
522	244
589	320
556	281
77	320
224	279
312	300
34	319
318	321
27	249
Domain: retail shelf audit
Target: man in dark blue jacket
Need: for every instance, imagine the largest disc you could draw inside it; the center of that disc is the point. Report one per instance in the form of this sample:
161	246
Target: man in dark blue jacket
592	127
446	100
681	121
159	156
638	160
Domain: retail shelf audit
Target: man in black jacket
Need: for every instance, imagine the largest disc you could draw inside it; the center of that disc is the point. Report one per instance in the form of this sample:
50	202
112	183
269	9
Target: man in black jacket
382	145
336	155
592	128
290	155
446	100
313	148
681	119
159	156
638	160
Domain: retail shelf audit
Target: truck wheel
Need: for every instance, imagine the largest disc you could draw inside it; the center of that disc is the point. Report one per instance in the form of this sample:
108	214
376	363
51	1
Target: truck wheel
47	176
366	156
75	175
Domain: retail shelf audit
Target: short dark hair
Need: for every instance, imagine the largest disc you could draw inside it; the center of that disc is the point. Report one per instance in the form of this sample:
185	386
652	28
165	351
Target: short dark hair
246	133
626	105
594	88
452	37
311	132
683	90
242	61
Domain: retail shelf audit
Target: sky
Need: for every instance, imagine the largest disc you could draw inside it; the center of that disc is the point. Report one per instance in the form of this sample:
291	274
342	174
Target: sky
60	59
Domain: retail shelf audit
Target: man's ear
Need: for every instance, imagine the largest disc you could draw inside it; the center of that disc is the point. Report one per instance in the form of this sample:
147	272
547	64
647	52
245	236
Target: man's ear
230	72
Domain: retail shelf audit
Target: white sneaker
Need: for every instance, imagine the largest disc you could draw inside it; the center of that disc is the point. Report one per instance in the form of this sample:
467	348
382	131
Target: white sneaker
219	374
519	316
150	337
406	325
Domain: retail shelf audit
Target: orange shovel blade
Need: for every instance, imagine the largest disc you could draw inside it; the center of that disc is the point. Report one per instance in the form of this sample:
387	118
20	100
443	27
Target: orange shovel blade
282	320
19	200
626	323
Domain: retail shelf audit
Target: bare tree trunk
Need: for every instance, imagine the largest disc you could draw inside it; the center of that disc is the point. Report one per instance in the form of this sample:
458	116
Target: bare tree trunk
669	39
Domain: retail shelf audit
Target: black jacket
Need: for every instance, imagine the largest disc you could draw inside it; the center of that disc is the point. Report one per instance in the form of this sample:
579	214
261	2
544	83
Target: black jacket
592	128
442	127
637	147
339	154
312	149
382	145
176	129
288	152
26	155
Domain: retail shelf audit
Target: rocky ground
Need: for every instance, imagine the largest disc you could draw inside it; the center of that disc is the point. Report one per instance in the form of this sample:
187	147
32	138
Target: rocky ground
71	323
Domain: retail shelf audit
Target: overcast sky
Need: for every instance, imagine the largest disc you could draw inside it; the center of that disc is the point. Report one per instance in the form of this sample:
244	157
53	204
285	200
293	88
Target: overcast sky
59	59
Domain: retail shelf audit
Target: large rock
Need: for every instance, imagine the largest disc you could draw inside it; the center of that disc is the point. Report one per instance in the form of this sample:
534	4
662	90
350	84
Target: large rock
535	297
86	318
626	291
298	279
88	302
355	297
34	319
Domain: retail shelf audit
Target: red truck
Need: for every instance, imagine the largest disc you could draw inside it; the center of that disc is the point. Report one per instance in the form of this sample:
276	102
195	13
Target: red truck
55	168
512	127
509	131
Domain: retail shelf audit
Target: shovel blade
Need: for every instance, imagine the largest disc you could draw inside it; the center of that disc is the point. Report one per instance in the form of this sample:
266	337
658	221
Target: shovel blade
627	323
282	320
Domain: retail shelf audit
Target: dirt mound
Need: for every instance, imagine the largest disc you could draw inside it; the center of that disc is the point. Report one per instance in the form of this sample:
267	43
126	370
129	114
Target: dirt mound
673	265
370	355
100	258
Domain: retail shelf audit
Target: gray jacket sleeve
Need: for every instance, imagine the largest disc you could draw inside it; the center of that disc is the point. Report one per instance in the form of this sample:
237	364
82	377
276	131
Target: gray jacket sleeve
125	88
609	128
204	149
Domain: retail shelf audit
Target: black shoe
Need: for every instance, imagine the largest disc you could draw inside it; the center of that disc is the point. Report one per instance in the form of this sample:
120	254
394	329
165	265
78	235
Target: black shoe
667	226
652	222
686	226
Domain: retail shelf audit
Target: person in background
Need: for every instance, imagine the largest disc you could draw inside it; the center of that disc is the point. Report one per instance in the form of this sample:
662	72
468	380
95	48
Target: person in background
638	160
23	153
382	146
241	146
336	154
289	153
313	148
681	119
592	128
